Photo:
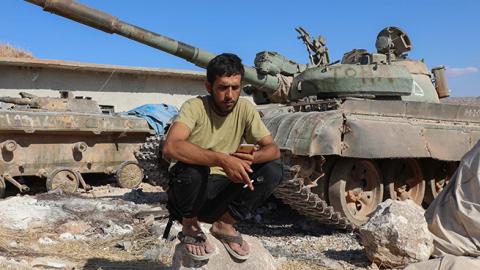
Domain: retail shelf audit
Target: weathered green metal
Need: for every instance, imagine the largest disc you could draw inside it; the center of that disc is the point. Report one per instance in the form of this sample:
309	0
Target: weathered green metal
62	138
401	130
360	80
274	63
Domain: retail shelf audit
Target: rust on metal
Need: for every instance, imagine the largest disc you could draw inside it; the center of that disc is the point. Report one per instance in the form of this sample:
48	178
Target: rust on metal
429	129
62	143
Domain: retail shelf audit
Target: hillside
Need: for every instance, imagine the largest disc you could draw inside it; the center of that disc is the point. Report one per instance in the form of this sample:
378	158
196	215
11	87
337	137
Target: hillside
7	50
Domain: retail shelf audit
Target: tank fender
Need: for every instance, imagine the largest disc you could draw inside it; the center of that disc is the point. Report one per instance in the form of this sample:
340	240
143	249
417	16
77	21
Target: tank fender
403	137
307	133
378	129
392	129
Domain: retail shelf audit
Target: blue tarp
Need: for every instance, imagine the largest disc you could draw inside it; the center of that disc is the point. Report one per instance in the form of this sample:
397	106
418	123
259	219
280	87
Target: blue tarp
158	116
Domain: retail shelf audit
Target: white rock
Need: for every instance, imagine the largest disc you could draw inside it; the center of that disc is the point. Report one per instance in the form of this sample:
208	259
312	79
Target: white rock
20	213
149	220
9	263
397	234
161	250
66	236
115	229
80	237
260	258
46	241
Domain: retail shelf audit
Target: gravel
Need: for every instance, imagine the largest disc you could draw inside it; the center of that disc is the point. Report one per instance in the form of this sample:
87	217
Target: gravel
294	241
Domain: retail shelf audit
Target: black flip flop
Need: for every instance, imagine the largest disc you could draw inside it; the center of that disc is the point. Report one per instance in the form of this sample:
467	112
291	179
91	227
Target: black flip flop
197	240
226	239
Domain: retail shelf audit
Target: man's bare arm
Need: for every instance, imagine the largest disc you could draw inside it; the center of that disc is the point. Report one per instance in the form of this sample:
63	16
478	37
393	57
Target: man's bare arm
179	148
268	150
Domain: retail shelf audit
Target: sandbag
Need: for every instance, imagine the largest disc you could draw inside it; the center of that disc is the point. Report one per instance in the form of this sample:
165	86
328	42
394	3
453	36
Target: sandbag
454	216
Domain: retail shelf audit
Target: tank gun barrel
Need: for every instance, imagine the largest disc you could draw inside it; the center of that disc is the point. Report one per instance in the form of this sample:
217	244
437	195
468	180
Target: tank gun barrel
112	25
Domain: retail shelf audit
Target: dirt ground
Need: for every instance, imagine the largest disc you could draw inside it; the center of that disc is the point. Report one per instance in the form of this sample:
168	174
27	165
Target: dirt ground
114	228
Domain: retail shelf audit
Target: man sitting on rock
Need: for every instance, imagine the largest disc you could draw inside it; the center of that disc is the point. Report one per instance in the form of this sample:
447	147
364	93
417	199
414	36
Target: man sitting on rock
211	181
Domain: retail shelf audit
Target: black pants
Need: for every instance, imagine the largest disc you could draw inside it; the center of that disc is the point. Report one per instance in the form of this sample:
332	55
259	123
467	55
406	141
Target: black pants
194	192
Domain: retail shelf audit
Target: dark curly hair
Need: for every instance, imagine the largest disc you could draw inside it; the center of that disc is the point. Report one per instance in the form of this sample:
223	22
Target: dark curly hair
225	64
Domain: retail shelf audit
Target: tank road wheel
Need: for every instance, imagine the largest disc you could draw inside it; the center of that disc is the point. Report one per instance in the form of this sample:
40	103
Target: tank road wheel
64	179
438	178
2	188
355	188
404	180
129	175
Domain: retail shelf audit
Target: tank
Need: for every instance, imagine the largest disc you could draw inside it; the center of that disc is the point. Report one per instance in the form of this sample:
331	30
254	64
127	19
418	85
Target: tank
353	132
61	138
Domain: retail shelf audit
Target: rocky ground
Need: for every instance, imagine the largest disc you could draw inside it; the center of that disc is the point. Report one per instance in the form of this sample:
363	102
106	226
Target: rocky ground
114	228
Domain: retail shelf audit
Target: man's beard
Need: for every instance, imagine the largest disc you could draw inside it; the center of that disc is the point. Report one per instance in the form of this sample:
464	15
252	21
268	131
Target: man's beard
220	110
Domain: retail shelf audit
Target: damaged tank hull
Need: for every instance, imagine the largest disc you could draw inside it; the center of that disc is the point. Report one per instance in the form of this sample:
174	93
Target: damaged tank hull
60	146
378	129
346	159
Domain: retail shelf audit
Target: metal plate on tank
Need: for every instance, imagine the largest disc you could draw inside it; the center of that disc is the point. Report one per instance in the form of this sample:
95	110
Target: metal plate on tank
55	121
308	133
375	136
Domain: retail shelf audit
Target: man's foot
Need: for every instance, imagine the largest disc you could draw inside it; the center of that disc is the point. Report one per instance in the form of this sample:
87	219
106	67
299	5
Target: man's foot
232	239
195	240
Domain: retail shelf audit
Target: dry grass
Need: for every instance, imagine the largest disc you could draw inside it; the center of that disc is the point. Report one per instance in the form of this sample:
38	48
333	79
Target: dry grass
7	50
80	252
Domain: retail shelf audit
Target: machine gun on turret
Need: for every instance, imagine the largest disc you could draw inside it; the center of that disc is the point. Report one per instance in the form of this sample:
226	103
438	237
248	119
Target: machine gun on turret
316	48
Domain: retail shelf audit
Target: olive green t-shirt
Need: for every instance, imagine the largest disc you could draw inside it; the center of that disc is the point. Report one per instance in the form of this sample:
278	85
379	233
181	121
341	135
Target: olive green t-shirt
221	133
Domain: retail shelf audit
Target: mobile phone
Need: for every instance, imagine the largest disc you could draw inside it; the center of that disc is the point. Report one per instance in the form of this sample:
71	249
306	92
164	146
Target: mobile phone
246	148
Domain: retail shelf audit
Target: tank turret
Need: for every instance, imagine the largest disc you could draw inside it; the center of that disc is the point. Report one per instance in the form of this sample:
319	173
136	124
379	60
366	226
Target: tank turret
382	75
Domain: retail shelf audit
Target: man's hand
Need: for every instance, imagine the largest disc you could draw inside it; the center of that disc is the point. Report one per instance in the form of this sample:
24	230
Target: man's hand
243	156
237	169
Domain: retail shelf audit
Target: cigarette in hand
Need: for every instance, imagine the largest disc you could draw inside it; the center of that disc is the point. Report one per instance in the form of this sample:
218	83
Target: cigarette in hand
246	185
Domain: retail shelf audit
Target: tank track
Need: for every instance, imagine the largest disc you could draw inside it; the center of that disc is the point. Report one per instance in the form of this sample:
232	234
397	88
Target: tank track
298	196
149	157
